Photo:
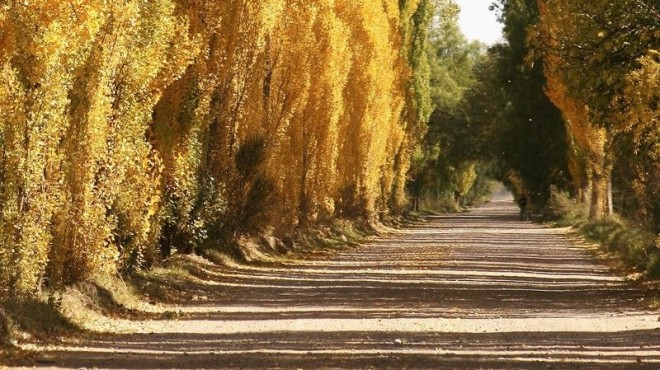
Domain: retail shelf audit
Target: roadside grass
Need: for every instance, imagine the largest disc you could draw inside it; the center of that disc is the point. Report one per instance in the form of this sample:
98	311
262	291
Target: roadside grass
31	319
34	318
433	205
174	281
635	246
50	316
325	241
636	250
181	275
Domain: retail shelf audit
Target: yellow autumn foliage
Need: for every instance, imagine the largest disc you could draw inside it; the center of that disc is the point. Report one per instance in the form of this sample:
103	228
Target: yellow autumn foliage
638	120
588	140
123	125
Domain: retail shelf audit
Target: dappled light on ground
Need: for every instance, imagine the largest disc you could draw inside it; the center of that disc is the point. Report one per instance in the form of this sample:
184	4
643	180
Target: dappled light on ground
473	290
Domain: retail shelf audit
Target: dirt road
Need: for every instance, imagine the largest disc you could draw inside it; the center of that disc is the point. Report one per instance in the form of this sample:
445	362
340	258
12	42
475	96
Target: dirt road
478	290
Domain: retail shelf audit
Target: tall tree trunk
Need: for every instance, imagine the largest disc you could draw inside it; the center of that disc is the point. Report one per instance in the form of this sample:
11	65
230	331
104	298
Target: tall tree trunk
610	204
598	196
609	166
601	176
584	192
303	202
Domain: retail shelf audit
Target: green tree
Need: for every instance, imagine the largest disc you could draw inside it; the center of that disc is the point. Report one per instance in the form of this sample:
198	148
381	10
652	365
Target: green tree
448	167
590	49
530	136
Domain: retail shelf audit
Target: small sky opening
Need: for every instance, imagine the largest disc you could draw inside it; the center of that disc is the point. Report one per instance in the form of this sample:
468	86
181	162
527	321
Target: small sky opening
479	23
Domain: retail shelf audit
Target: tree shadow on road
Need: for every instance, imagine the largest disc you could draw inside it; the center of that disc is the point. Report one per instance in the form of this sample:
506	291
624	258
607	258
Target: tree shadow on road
483	265
553	350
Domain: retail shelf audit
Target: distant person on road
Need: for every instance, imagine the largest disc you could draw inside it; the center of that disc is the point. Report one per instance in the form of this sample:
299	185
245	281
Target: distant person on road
522	203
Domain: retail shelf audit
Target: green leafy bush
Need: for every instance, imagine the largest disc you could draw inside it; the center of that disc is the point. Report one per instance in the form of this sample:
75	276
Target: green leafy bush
565	210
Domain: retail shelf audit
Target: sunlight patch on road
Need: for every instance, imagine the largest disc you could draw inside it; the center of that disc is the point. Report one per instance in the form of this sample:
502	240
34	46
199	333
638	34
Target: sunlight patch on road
292	309
281	274
426	312
602	324
398	284
451	263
